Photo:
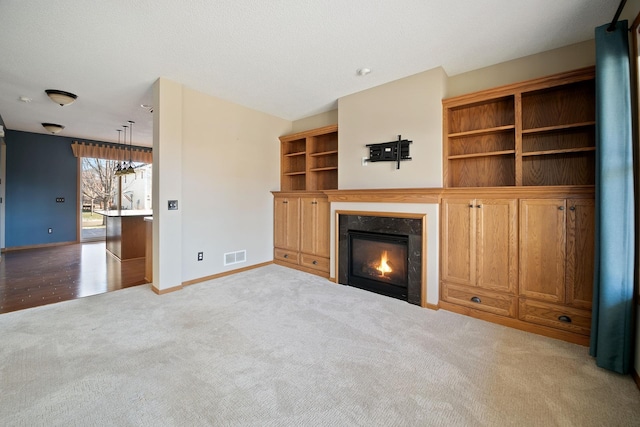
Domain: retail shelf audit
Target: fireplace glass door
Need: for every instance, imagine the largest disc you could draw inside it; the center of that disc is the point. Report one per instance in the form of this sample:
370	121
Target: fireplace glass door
378	263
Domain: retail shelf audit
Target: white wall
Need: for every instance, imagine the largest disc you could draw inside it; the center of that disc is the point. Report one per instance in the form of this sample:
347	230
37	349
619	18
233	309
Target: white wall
231	162
315	121
167	184
220	161
554	61
411	107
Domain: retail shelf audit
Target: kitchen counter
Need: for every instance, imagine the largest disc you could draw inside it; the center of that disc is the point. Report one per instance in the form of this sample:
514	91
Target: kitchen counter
126	233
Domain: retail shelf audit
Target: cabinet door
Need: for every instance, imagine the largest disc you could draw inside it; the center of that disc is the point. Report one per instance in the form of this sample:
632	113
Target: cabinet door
286	223
458	241
497	244
580	252
542	249
314	237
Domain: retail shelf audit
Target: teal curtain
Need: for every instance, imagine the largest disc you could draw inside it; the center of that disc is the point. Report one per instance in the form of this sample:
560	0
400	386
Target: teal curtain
613	323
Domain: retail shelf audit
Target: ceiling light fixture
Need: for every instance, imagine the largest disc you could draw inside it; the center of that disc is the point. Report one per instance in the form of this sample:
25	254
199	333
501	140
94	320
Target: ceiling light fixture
52	127
61	97
363	71
25	99
126	168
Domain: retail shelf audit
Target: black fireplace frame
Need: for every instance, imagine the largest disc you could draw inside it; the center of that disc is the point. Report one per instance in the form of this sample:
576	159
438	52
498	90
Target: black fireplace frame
410	225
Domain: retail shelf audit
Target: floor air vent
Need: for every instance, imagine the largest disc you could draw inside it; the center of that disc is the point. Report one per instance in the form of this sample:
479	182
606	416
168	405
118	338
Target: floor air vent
235	257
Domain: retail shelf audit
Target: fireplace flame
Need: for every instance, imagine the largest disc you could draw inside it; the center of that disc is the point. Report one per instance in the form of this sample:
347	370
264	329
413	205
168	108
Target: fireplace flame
384	267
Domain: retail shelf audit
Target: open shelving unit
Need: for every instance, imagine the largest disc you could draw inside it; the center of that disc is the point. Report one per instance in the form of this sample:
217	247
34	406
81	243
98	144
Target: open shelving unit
536	133
309	160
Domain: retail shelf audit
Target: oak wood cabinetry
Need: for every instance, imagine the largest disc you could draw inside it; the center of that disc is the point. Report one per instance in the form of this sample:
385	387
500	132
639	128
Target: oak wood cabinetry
529	146
286	236
301	231
479	252
537	133
308	164
556	262
309	160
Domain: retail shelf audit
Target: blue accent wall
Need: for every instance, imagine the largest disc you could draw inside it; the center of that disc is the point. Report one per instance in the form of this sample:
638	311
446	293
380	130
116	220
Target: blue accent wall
40	168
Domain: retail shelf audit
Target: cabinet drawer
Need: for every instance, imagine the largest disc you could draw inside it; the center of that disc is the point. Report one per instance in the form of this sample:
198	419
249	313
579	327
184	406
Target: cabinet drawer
479	299
315	262
556	316
285	255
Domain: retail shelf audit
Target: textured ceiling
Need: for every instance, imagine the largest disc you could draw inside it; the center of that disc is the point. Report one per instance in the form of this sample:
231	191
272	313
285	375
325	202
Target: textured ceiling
289	58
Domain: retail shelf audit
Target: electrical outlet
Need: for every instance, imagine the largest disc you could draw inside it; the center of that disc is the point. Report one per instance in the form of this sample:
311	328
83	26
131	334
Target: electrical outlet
50	230
173	205
59	199
200	256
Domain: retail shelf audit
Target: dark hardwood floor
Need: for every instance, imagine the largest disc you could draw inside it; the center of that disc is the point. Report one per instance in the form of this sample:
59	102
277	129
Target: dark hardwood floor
34	277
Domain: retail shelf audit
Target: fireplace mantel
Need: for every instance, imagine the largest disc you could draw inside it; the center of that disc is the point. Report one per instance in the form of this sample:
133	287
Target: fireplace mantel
392	195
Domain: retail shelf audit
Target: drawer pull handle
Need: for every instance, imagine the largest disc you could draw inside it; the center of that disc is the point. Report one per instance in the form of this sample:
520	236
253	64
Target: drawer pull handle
470	206
478	206
285	201
560	208
286	255
314	262
565	319
476	300
314	203
572	208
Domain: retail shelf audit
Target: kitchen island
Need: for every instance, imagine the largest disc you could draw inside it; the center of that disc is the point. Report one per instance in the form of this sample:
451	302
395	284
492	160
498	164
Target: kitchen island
126	233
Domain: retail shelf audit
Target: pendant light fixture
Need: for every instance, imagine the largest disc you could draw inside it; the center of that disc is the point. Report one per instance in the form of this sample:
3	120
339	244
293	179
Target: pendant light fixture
130	169
123	166
118	168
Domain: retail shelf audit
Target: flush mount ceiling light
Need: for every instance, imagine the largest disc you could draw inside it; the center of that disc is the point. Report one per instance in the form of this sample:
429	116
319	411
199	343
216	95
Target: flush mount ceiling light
363	71
52	127
61	97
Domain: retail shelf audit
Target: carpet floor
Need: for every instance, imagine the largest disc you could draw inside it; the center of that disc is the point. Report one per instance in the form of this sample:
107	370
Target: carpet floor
277	347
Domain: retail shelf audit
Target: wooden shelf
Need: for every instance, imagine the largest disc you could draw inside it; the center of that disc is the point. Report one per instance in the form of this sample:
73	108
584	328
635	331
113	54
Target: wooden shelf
558	127
540	132
482	131
309	160
487	154
560	151
332	168
324	153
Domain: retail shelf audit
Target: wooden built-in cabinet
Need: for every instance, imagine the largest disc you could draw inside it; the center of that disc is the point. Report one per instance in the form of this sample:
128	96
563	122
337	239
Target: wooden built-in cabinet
556	258
309	160
301	231
308	164
526	261
517	227
537	133
479	252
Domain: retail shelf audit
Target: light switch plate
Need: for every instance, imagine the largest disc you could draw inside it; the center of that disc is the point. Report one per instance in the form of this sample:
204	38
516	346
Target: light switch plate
173	205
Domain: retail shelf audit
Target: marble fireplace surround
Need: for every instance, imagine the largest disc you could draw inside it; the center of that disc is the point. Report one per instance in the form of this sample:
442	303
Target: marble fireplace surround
419	203
411	225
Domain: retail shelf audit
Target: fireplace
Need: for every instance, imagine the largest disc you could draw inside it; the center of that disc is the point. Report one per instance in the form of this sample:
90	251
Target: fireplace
378	262
382	254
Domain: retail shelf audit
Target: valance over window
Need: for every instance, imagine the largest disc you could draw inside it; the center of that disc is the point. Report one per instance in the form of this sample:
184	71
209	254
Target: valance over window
111	152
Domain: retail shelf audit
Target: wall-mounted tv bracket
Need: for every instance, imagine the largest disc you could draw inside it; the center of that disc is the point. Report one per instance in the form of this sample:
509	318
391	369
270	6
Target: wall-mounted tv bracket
394	151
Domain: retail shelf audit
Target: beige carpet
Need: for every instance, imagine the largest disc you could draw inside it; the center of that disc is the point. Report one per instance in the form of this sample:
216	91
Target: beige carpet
277	347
